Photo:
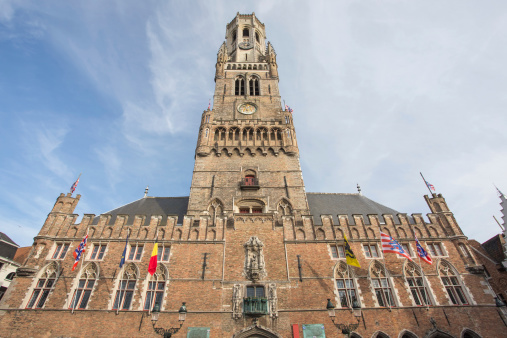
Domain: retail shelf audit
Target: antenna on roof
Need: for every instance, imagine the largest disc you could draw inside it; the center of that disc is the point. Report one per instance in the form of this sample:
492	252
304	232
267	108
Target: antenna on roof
146	191
359	189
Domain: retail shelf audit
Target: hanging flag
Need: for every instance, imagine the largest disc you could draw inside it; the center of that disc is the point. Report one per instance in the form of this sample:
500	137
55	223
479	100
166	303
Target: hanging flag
289	109
79	251
390	245
430	186
422	253
124	252
153	260
73	187
351	258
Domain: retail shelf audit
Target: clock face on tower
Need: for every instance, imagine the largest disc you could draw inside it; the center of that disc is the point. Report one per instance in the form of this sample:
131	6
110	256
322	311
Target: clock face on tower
247	108
245	45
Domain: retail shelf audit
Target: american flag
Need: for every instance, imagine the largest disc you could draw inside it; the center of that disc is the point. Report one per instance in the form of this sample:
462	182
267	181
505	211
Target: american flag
391	245
431	186
422	253
79	251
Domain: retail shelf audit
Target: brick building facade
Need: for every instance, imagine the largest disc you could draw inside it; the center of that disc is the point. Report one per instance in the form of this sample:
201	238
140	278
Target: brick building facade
249	250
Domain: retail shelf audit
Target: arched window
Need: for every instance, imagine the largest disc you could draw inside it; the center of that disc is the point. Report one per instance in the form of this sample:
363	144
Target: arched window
10	276
381	284
84	288
126	288
452	282
284	208
253	85
345	286
250	207
417	284
215	209
239	86
45	284
155	289
246	32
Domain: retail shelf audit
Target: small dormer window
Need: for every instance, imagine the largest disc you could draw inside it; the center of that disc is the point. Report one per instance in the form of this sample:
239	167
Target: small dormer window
246	32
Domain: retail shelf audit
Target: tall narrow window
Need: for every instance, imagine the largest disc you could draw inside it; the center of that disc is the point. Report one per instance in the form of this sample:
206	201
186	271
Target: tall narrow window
43	288
246	32
452	283
98	251
135	253
84	288
156	288
381	285
253	85
240	86
126	288
345	286
163	253
60	251
416	283
257	37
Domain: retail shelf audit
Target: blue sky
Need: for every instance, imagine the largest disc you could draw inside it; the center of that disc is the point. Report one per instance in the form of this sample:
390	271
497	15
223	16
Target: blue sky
381	90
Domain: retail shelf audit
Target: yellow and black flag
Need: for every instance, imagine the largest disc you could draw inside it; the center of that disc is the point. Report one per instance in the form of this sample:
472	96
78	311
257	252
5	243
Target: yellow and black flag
351	258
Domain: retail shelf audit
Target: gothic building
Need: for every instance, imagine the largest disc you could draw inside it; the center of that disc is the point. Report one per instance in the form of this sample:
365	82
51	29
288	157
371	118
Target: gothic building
249	251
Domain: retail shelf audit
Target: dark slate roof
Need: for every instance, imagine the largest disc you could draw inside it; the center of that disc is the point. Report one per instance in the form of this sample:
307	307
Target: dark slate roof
347	204
149	206
494	248
6	238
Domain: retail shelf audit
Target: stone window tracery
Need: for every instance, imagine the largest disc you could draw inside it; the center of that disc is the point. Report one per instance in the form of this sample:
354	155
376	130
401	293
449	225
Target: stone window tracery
126	287
44	286
346	286
253	85
84	289
453	284
417	285
155	289
381	285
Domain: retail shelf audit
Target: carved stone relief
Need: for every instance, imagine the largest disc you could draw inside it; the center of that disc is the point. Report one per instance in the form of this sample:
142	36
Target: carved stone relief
254	259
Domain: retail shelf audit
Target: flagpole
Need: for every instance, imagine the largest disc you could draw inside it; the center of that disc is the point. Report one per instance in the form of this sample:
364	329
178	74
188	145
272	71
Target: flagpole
385	270
123	296
425	183
80	268
426	288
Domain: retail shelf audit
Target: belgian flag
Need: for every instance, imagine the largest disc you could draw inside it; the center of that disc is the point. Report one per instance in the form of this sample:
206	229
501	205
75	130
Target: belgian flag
351	258
152	267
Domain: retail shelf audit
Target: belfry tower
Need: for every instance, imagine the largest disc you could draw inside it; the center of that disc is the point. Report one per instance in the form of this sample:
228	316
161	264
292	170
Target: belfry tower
247	159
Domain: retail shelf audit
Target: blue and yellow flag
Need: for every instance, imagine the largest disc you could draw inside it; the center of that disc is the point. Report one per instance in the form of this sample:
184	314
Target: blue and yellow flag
351	258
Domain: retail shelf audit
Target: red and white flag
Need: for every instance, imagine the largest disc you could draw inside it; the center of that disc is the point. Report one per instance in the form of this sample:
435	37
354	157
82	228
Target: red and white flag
392	246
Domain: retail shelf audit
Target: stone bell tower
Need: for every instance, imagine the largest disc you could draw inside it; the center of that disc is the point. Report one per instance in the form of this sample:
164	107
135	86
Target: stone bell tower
247	158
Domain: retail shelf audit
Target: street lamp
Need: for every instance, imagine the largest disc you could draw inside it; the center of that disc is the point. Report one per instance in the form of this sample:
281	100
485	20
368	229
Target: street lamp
346	329
167	333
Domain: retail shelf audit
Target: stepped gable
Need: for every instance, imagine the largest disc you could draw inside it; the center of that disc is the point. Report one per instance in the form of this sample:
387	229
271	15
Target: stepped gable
149	206
347	204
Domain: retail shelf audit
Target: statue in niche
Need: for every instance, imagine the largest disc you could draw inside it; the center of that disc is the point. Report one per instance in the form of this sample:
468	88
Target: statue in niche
254	260
273	301
237	299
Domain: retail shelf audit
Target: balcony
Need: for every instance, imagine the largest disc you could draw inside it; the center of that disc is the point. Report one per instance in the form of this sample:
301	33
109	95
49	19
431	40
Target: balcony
249	183
255	306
